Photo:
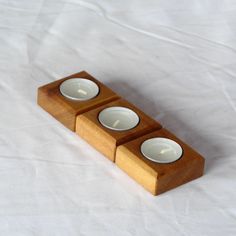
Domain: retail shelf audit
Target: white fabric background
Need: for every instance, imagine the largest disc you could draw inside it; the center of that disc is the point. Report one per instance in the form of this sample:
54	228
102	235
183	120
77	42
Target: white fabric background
176	60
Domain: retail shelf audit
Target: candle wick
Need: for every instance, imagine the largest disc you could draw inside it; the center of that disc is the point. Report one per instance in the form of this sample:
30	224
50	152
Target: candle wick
116	123
163	151
82	91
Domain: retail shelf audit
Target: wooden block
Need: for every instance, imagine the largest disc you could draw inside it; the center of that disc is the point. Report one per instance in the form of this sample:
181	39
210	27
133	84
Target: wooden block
155	177
65	110
106	140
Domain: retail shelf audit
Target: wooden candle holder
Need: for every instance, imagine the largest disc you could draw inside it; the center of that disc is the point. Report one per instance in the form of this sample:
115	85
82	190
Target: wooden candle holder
106	140
65	110
159	177
121	147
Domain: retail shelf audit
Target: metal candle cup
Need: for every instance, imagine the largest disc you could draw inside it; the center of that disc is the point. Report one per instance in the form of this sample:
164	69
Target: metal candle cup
118	118
161	150
79	89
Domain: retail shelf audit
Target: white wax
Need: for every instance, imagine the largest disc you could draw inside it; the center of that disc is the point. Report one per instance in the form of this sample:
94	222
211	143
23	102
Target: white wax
79	89
118	118
161	150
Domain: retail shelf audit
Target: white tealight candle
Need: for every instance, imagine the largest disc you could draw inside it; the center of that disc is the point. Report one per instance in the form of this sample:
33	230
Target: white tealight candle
79	89
118	118
161	150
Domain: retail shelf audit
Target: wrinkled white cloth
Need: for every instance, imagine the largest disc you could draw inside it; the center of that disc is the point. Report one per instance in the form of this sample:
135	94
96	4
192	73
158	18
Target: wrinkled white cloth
176	60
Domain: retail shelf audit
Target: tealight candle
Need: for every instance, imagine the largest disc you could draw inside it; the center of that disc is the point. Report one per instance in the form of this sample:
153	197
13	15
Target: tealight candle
79	89
161	150
118	118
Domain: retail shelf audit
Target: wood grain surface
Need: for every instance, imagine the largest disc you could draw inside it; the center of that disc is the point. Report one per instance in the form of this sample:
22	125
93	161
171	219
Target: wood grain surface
106	140
155	177
65	110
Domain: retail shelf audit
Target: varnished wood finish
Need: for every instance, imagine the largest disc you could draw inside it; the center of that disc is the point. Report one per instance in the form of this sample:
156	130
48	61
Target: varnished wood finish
106	140
122	147
65	110
158	178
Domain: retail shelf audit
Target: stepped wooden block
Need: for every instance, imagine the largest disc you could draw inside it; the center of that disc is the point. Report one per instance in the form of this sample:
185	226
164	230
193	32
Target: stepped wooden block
106	140
121	146
65	110
155	177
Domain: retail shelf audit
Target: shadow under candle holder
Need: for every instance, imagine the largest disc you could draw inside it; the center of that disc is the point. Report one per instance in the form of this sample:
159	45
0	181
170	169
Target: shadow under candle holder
205	146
